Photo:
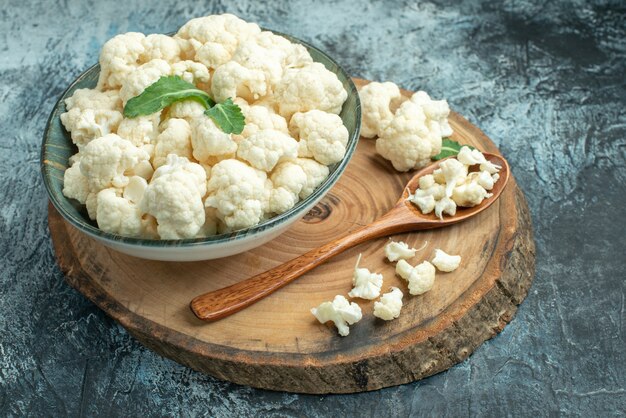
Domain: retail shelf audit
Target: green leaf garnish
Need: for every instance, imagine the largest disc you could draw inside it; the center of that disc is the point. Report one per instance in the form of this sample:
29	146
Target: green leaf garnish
449	148
227	116
165	91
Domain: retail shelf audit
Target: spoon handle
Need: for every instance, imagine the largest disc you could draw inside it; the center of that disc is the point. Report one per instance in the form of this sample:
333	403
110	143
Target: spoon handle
228	300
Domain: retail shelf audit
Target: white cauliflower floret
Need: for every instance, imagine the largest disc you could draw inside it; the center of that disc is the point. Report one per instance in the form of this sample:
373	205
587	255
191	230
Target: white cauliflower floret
366	284
75	184
315	172
174	198
144	170
390	305
426	203
454	174
158	46
232	79
445	205
135	189
308	88
446	262
143	76
105	161
470	157
259	118
175	138
322	136
118	215
421	277
266	148
91	114
210	225
238	193
254	57
186	109
288	179
483	178
192	72
469	194
377	100
209	142
340	312
395	251
288	54
141	129
436	111
119	57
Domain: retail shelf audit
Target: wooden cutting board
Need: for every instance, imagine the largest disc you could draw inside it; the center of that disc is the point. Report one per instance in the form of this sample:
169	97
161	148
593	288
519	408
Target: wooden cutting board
277	344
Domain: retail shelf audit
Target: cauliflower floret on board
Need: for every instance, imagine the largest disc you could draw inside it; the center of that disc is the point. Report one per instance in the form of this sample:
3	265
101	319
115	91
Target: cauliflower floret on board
341	312
174	198
322	136
446	262
266	148
175	138
390	305
315	172
238	192
421	277
158	46
288	180
140	130
105	161
436	111
308	88
210	144
400	250
366	284
377	101
119	57
143	76
91	114
232	79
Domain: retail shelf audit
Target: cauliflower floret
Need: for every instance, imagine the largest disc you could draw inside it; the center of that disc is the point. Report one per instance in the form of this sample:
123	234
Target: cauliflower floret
395	251
288	54
186	109
175	138
469	194
174	198
483	178
340	312
209	142
254	57
210	225
118	215
454	174
421	277
259	118
308	88
143	76
322	136
366	284
217	35
158	46
288	179
238	193
192	72
426	203
445	205
436	111
469	156
390	305
315	172
105	161
141	129
119	57
91	114
75	184
446	262
266	148
232	79
406	140
377	100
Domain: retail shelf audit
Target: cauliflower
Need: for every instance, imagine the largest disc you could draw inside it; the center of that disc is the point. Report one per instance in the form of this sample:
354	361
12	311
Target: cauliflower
75	184
395	251
421	277
445	205
186	109
288	54
340	312
266	148
192	72
469	194
377	100
308	88
254	57
105	161
163	47
141	129
118	215
470	157
454	174
175	138
446	262
426	203
413	135
483	178
288	179
91	114
366	284
389	306
322	136
315	172
174	198
119	57
259	118
136	82
232	79
209	142
238	193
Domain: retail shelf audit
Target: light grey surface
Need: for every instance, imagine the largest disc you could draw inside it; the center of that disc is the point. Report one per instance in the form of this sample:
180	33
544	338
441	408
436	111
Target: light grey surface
546	81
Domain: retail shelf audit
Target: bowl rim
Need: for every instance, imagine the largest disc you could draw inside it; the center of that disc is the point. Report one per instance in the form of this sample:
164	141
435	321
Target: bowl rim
275	221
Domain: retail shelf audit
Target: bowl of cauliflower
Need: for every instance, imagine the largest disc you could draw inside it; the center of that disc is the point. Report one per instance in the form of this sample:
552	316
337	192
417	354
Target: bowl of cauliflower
201	144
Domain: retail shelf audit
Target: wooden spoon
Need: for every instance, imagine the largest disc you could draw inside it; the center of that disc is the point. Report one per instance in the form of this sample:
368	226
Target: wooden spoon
403	217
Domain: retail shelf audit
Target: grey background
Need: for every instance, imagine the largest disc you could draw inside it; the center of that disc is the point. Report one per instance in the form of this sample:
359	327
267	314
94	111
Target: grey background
545	80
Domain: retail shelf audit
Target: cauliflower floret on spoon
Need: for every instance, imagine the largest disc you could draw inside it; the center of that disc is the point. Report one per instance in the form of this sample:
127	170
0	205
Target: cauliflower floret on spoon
322	136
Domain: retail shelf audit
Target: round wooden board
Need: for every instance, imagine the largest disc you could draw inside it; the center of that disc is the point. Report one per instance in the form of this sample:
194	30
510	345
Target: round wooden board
277	344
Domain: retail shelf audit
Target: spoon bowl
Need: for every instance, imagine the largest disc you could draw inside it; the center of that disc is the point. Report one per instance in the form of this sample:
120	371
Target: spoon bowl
403	217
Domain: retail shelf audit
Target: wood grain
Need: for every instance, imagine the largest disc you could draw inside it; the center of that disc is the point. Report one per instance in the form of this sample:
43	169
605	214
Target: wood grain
277	344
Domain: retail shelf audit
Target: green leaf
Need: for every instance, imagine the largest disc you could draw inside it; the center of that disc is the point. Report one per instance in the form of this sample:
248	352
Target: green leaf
449	148
227	116
162	93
